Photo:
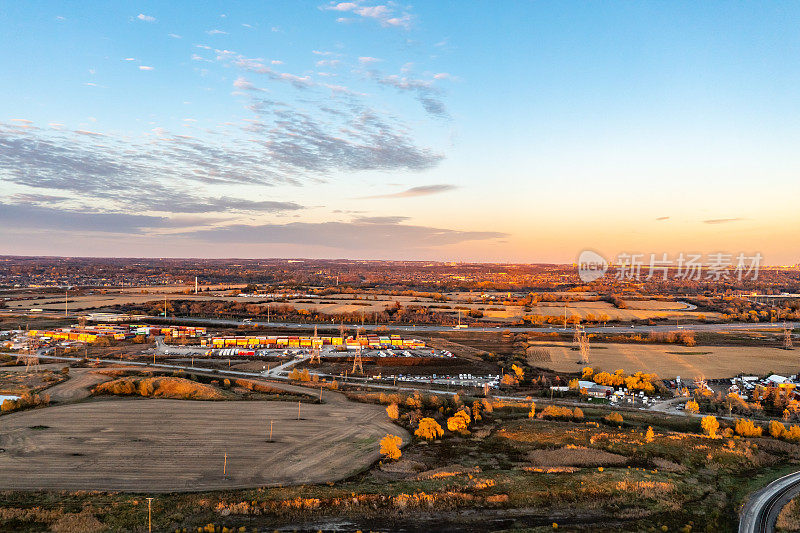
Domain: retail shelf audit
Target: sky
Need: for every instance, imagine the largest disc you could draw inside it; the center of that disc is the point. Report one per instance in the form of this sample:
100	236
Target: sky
511	131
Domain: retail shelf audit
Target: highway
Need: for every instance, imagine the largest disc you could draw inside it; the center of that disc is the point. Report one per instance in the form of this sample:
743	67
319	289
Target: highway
636	328
761	510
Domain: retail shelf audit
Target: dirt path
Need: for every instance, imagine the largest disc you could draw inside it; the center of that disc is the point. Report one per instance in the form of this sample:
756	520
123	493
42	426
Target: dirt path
77	386
176	445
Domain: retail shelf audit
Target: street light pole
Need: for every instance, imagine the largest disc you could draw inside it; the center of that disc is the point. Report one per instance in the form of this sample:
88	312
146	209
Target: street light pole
150	515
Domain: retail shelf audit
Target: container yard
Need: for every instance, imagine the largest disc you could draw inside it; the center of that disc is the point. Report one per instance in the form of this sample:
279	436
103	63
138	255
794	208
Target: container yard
373	342
92	334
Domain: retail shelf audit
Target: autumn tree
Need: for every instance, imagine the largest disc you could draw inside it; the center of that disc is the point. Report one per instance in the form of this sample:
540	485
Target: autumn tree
614	418
509	380
587	372
710	426
649	436
393	411
776	429
692	407
390	446
532	412
746	428
429	429
518	372
459	421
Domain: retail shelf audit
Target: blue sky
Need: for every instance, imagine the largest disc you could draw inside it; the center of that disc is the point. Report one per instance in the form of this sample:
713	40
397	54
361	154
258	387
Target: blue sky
514	131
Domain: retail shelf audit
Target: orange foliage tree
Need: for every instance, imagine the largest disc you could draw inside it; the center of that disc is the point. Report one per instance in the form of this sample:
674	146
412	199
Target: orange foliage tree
429	429
459	421
710	426
390	446
746	428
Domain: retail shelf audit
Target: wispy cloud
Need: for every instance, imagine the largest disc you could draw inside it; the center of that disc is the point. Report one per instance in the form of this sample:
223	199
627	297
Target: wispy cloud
174	36
723	220
662	218
385	14
426	92
216	32
144	67
145	18
365	60
413	192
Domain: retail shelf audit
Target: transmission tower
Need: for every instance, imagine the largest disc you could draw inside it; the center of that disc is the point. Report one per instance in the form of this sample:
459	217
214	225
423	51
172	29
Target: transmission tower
357	363
315	348
583	344
787	337
30	357
576	338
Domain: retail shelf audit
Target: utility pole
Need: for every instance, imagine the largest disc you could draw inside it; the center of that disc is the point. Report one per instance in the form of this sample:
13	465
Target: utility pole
298	409
165	306
225	465
66	302
195	284
150	514
270	430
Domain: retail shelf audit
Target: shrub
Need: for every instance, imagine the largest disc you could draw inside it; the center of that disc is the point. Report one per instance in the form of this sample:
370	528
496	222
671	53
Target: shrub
390	446
746	428
577	413
614	418
160	388
793	433
532	412
429	429
393	411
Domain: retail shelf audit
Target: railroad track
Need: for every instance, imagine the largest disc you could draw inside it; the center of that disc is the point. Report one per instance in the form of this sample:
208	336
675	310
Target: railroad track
761	510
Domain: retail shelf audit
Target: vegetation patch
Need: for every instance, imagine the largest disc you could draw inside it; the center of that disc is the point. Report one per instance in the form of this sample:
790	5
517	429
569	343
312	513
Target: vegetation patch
160	387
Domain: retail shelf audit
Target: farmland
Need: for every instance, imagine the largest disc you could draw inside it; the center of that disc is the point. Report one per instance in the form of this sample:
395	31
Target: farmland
169	445
669	361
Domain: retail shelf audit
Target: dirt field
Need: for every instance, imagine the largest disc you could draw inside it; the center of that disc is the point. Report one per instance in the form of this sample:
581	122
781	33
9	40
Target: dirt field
176	445
77	386
669	361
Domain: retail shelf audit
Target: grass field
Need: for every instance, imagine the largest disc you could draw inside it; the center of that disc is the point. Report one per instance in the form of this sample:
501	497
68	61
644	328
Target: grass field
669	360
176	445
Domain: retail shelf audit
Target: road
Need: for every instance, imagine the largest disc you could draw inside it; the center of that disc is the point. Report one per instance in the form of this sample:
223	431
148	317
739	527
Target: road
761	510
733	326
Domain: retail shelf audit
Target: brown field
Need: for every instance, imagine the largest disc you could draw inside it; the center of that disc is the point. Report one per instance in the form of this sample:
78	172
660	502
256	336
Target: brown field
670	360
344	303
177	445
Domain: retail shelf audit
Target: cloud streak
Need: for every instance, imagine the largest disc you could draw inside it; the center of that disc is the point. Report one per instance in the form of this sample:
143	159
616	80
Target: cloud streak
723	220
414	192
